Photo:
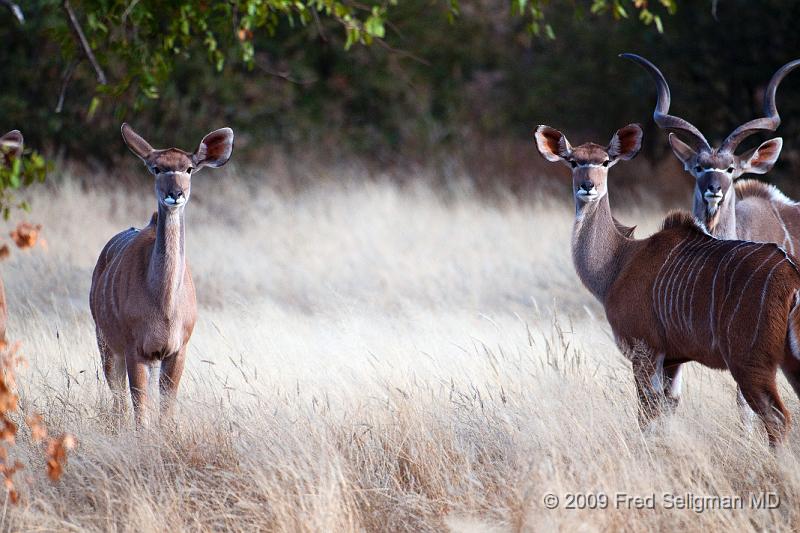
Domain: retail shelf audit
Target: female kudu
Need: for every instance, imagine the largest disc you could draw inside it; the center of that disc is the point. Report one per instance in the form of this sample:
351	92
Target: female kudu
681	295
142	296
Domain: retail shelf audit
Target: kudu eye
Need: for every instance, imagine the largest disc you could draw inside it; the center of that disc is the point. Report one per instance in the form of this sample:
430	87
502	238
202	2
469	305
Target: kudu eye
573	163
156	170
698	168
189	170
730	170
606	162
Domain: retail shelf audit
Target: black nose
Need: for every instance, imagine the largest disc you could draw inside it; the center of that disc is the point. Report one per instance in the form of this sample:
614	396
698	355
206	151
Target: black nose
175	195
714	189
587	185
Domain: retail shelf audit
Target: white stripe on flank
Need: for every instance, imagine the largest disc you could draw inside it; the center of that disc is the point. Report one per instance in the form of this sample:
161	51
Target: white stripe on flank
710	250
665	290
711	308
743	289
761	306
691	273
660	279
737	266
680	280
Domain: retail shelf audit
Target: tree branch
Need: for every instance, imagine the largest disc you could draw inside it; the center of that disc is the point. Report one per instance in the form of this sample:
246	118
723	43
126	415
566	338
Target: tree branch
15	10
76	26
65	82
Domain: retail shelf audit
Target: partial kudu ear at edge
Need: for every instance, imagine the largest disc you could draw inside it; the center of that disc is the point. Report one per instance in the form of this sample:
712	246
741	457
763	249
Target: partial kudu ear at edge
552	144
682	151
137	145
215	149
11	144
762	159
626	142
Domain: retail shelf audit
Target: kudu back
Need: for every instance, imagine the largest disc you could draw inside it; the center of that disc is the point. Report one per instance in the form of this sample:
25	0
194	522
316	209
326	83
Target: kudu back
142	296
682	295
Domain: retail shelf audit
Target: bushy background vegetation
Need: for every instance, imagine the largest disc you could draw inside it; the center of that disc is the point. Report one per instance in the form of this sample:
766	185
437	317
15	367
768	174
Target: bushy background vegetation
392	83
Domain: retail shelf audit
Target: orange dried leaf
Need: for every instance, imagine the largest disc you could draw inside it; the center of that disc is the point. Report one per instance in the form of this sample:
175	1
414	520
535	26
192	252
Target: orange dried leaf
57	455
5	252
26	234
8	430
38	427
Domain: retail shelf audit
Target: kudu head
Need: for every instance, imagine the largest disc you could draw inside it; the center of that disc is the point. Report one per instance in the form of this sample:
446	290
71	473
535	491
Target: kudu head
715	169
10	147
589	161
173	168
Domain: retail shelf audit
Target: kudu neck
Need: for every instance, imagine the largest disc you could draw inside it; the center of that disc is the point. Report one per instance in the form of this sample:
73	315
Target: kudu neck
597	246
167	261
721	224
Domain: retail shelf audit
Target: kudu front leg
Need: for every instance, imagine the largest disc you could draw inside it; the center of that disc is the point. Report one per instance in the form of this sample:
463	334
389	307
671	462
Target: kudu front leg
673	385
116	375
168	381
652	386
138	370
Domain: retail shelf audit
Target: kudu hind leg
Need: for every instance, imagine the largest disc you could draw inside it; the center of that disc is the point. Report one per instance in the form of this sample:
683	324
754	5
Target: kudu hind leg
762	396
746	413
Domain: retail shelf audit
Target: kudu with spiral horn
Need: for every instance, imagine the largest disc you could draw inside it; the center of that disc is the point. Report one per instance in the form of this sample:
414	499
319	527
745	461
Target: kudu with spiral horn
744	209
763	213
681	295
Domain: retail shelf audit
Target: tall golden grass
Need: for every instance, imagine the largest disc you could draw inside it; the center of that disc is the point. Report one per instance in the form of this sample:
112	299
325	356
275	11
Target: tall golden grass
369	358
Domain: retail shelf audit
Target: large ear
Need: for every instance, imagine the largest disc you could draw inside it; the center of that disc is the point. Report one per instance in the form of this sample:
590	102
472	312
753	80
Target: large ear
215	149
552	144
11	144
137	145
761	160
682	151
626	142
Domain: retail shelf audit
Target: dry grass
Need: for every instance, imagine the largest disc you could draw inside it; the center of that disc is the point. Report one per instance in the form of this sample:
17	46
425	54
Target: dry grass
373	359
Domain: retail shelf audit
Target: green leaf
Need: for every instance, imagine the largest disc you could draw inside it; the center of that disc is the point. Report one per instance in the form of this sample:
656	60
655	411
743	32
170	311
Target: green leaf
374	25
93	105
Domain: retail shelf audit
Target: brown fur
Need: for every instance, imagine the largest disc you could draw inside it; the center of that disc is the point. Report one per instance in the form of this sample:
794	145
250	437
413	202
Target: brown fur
681	295
142	296
627	231
752	189
682	219
764	214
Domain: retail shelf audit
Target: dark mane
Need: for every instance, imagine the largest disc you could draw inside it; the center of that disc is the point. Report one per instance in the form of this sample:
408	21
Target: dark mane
682	220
